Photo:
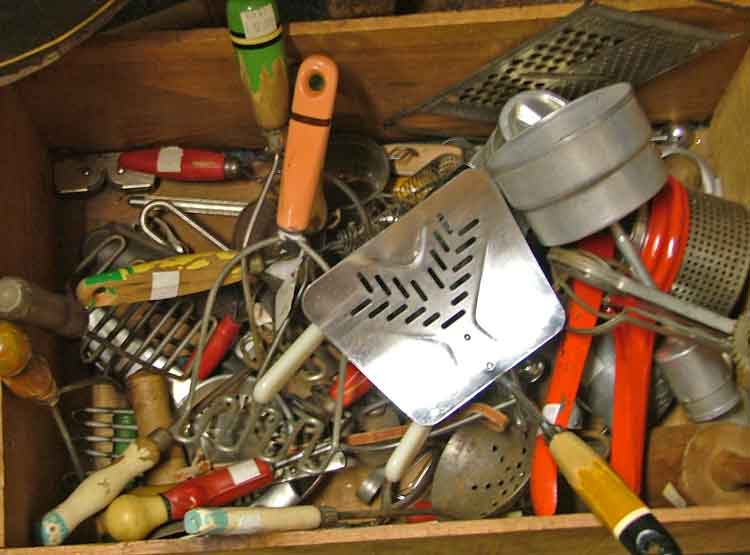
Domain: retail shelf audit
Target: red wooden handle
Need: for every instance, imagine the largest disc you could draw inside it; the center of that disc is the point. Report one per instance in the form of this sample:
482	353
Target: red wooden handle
218	487
216	348
356	385
173	162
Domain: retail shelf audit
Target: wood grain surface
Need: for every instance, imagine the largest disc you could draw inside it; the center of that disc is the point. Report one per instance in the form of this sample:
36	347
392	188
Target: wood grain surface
184	86
698	530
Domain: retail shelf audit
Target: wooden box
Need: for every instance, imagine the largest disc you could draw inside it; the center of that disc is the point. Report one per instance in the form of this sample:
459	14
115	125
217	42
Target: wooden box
128	90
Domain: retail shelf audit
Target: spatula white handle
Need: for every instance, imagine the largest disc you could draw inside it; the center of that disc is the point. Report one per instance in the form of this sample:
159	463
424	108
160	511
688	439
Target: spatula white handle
406	451
283	369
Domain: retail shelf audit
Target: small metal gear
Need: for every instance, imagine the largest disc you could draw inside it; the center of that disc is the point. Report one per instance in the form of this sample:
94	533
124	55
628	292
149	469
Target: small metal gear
741	349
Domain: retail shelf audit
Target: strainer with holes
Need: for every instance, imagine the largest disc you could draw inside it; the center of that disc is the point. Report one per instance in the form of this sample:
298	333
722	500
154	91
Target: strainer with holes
438	305
482	472
708	240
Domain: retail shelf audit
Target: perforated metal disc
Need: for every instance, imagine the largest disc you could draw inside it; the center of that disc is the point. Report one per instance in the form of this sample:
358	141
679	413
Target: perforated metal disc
717	258
481	472
593	47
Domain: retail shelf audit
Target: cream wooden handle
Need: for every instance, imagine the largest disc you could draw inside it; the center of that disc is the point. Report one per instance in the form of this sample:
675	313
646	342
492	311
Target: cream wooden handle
97	491
251	520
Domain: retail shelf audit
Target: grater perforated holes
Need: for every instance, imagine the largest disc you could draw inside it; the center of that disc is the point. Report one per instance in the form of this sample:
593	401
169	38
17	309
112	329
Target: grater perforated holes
438	260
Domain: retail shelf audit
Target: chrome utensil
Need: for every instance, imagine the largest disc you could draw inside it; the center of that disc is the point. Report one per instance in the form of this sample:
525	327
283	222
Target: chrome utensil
604	165
450	296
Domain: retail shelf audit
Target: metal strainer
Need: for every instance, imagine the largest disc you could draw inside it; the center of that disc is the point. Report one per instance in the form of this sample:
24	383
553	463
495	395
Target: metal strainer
482	472
717	257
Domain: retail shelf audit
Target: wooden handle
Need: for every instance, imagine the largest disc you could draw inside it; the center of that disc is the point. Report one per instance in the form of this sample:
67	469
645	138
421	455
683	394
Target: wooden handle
609	498
132	517
161	279
36	382
251	520
149	397
731	470
705	464
15	349
307	141
105	396
97	491
23	301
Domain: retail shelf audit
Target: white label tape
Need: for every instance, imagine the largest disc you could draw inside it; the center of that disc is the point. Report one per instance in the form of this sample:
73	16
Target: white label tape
169	159
164	285
244	471
259	22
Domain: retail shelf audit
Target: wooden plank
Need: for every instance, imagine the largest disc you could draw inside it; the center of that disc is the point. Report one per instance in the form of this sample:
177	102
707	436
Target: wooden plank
695	529
728	135
184	87
33	458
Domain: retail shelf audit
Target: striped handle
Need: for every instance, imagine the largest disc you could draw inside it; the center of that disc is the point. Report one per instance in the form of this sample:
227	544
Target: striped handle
160	279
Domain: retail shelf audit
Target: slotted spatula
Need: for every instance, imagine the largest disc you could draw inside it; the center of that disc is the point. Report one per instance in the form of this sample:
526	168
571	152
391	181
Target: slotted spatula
438	305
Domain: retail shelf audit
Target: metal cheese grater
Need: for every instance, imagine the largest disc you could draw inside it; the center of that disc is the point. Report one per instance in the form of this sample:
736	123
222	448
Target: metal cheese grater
438	305
593	47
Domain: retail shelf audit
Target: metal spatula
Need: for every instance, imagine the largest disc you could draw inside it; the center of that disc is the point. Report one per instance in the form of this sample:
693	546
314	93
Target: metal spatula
438	305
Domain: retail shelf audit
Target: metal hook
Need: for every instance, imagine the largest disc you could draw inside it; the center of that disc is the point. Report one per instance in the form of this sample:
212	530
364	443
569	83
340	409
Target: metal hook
143	219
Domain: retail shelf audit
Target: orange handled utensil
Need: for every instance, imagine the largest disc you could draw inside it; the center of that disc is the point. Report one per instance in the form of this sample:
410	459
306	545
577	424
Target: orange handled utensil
309	128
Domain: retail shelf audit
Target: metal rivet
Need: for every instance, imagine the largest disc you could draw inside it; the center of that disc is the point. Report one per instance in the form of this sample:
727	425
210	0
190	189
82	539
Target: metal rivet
467	337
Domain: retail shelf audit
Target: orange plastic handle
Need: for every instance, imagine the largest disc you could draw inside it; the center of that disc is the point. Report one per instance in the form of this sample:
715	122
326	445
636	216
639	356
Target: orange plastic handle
566	379
309	127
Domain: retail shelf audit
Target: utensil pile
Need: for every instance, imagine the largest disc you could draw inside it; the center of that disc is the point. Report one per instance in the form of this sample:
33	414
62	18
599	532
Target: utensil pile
463	322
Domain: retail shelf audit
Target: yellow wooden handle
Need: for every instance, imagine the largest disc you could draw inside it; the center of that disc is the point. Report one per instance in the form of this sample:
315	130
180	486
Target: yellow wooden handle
97	491
595	482
159	279
132	518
